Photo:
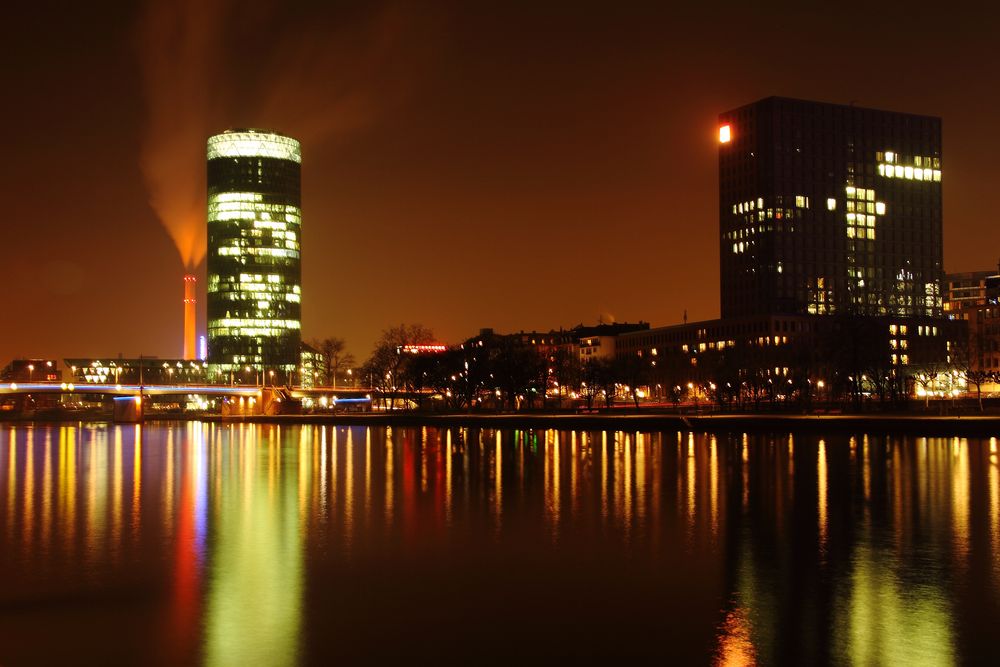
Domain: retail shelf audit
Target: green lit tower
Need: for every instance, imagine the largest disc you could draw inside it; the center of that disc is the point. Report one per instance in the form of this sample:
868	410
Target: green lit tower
254	253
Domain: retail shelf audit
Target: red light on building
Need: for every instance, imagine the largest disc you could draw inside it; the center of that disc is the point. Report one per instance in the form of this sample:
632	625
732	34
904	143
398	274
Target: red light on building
725	134
433	348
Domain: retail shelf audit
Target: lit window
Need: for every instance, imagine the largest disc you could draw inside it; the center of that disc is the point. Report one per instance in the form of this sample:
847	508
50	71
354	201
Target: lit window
725	134
880	208
800	201
831	204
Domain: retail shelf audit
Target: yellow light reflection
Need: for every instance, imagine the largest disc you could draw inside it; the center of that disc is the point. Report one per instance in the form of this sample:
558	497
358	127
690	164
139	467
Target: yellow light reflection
692	483
640	478
604	476
136	483
713	484
116	492
47	473
821	485
498	482
349	490
11	482
29	493
67	485
960	498
389	478
994	518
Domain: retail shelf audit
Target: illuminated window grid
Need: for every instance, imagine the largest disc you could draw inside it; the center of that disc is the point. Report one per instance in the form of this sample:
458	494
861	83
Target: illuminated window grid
920	168
862	210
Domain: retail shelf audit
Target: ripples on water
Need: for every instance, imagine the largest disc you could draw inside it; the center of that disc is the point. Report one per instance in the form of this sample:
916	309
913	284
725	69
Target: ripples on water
273	545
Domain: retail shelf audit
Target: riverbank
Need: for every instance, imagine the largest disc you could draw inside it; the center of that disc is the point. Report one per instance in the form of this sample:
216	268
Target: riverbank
975	425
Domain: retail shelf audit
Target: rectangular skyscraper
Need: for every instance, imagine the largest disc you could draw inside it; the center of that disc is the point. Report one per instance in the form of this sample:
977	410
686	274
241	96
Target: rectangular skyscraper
254	262
829	209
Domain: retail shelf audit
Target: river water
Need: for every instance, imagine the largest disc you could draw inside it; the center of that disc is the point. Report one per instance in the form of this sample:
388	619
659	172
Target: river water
262	544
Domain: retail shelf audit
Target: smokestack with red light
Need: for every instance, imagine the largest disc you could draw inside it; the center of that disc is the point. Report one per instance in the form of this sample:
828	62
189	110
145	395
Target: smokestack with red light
190	350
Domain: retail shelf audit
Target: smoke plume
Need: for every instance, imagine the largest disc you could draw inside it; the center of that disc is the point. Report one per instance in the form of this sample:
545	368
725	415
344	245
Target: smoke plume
210	65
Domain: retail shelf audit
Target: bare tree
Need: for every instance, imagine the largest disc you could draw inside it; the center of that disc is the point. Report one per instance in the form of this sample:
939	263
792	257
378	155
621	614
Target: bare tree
384	367
335	356
968	357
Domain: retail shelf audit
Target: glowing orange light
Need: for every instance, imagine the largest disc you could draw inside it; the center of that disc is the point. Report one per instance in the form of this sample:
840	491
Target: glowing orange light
725	134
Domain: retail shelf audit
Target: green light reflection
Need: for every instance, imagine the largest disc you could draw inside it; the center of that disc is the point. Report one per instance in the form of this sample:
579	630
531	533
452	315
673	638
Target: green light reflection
254	598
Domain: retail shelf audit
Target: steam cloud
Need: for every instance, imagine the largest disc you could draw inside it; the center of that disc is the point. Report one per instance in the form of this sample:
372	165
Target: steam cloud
210	65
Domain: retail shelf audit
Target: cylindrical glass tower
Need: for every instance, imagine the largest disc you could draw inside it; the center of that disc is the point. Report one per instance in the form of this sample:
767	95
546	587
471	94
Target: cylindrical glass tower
254	261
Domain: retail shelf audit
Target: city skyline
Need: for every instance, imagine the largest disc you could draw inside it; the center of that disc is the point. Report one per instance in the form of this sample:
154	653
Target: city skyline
541	174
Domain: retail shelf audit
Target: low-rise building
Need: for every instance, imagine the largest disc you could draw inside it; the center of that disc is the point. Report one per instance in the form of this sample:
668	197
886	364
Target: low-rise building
31	370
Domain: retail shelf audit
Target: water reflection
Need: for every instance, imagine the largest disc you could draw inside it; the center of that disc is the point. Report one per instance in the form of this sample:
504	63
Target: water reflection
237	544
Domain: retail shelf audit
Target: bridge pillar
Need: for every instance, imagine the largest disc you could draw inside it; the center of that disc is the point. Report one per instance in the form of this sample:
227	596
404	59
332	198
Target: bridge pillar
128	409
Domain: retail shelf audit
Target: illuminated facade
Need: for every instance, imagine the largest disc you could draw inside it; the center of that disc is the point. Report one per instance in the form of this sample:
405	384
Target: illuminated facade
967	291
254	253
145	370
829	209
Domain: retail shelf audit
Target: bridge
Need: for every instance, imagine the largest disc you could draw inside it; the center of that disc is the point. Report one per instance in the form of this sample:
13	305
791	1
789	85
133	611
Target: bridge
20	388
130	403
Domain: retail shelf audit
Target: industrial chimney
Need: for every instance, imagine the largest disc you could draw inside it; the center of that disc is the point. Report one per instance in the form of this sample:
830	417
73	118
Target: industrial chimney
190	318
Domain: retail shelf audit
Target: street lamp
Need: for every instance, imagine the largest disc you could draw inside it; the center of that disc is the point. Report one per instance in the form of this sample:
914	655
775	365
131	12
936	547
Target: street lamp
271	374
31	370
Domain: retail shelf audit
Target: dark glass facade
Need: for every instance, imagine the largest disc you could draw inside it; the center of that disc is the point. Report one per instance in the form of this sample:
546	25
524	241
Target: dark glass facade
254	252
829	209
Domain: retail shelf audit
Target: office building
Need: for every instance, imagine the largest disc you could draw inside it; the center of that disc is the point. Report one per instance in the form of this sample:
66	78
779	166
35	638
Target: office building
829	209
254	252
830	229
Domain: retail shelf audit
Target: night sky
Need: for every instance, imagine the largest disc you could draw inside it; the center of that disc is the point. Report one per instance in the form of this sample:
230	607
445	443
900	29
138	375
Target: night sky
512	165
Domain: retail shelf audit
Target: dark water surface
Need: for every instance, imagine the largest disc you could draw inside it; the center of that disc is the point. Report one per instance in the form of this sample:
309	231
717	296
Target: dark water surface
247	545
